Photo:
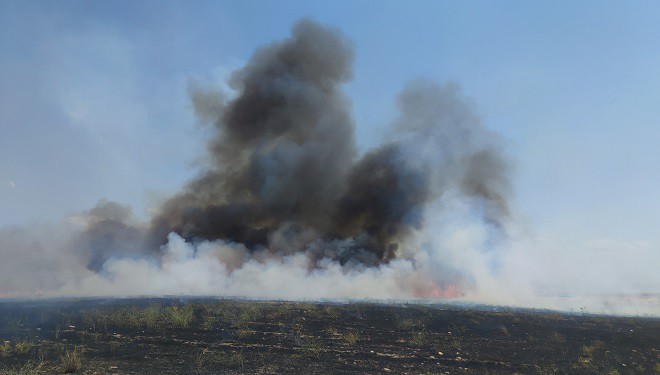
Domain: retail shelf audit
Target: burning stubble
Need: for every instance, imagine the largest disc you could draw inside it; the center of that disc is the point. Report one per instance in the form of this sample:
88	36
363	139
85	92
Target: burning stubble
286	206
283	159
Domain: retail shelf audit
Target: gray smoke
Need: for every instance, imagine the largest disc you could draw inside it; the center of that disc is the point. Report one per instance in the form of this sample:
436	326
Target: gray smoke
283	161
284	177
286	207
110	232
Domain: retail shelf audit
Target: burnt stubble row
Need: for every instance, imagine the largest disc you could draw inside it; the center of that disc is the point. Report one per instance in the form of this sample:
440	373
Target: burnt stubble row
211	336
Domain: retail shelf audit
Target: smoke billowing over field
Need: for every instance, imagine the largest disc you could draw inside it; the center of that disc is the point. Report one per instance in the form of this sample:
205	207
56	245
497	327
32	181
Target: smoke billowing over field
286	206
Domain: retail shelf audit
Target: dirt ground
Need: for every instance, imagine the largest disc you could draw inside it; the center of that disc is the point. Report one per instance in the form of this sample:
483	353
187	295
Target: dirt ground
217	336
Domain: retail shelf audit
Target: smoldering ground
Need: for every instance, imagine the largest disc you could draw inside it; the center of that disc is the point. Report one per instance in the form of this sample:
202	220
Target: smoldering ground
285	206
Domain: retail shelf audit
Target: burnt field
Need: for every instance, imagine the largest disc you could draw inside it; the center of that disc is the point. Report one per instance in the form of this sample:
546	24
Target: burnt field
211	336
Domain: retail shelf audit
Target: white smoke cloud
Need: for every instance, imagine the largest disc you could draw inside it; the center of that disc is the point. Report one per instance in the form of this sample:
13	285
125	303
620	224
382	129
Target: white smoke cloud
452	257
229	269
463	244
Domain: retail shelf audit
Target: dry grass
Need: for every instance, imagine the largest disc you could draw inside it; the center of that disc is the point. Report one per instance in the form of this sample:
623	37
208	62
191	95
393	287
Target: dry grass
23	346
153	316
587	360
243	333
229	359
213	359
313	348
406	323
351	338
72	360
179	316
419	339
29	368
5	348
331	312
18	347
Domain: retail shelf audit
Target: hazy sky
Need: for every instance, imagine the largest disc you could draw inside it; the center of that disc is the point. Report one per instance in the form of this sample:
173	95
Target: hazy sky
94	103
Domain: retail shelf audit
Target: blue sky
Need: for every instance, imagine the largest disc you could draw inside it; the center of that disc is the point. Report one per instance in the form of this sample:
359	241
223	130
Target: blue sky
94	97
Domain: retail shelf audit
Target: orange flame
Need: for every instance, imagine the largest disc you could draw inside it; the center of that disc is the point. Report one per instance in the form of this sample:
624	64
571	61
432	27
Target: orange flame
435	291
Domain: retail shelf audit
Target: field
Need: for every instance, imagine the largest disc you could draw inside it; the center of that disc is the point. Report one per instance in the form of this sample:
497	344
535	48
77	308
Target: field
211	336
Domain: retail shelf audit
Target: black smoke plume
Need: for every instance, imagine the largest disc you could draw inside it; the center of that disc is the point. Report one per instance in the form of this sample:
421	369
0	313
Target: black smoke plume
284	175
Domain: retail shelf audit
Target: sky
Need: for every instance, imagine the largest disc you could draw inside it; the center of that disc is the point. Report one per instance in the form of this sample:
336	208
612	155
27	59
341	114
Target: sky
94	103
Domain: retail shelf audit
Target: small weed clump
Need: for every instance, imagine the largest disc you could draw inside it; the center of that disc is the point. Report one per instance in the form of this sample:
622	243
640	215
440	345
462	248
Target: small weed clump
242	333
590	350
72	360
249	314
546	369
229	359
313	348
418	339
29	368
179	316
129	317
153	316
332	331
587	359
5	348
351	338
459	329
557	337
207	322
331	312
213	359
456	344
306	306
23	346
19	347
406	323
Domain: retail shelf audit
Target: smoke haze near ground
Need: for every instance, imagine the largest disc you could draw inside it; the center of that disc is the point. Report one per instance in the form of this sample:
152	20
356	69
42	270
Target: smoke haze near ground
285	206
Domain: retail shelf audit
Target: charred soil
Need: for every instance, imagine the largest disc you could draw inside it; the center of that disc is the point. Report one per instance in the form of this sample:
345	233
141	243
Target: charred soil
211	336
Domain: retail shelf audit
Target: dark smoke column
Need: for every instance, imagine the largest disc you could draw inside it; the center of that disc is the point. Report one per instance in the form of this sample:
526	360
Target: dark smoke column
283	147
283	173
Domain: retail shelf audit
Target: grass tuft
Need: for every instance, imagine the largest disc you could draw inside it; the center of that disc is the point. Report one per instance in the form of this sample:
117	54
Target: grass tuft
219	358
180	316
23	346
230	359
19	347
72	360
5	348
418	339
351	338
29	368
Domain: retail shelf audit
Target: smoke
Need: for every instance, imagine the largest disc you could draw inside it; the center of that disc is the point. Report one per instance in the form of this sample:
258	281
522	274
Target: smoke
286	207
284	179
283	158
285	191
